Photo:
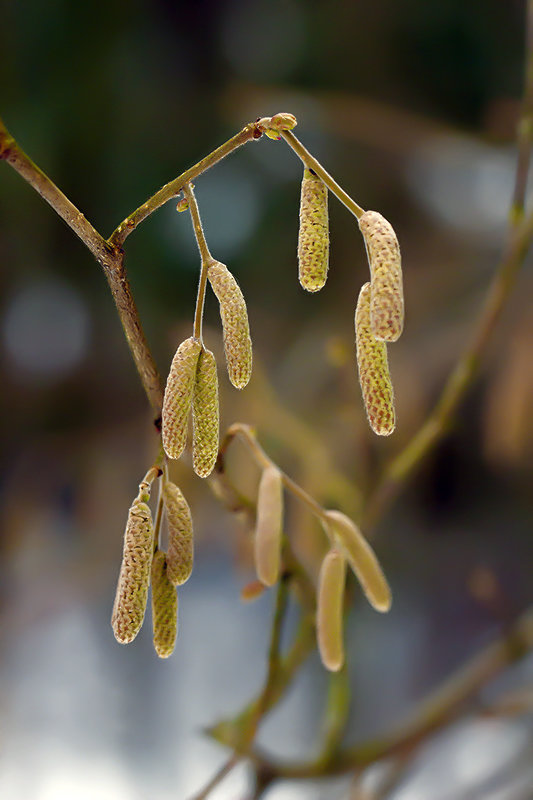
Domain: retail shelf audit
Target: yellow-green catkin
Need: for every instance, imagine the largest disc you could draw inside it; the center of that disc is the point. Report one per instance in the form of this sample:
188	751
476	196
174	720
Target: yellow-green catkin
205	415
180	535
237	341
313	236
361	558
383	250
268	532
164	607
178	397
376	386
134	577
330	600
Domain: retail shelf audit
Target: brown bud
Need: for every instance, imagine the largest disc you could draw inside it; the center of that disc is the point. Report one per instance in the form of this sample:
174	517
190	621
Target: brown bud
164	607
361	558
383	251
313	236
373	366
237	342
251	591
178	397
134	577
331	583
180	535
205	415
268	530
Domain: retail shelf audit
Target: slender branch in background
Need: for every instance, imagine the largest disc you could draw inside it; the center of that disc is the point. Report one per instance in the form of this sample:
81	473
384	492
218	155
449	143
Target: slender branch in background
205	256
312	163
525	126
218	777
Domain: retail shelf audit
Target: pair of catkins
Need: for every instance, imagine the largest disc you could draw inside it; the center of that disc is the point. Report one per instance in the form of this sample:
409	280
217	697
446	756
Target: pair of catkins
144	563
380	309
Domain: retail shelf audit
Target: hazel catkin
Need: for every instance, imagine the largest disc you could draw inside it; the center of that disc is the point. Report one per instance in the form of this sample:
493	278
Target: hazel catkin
331	583
383	251
134	576
180	535
361	558
178	397
313	235
267	544
376	386
164	607
205	415
237	341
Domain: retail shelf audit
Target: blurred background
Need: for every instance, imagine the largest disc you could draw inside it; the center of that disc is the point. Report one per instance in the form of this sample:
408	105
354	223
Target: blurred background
413	108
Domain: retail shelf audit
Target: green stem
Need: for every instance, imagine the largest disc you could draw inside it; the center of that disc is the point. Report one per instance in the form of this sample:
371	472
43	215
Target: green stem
205	256
312	163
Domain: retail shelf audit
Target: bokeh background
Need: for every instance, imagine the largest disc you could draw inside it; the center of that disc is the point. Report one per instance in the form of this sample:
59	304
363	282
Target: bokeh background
413	107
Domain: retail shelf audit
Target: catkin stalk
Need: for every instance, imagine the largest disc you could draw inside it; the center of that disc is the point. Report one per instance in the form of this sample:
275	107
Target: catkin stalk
237	341
164	607
361	558
331	583
134	576
376	386
313	235
383	251
178	397
267	545
180	535
205	415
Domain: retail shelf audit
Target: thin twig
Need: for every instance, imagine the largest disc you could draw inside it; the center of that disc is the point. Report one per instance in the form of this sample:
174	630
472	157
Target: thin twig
205	256
218	777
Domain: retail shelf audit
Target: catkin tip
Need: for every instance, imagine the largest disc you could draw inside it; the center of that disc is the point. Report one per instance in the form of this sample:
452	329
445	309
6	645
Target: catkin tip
267	545
235	326
313	235
331	584
374	377
164	608
383	251
178	397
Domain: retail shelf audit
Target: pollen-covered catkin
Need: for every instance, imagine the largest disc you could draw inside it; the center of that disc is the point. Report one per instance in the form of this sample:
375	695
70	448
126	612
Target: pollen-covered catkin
331	583
361	558
164	607
313	235
178	397
180	536
383	250
267	545
205	422
373	367
237	341
134	577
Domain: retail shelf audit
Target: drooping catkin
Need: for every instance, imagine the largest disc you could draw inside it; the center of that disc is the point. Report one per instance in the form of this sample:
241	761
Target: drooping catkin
178	397
331	584
164	607
205	422
313	236
134	576
376	386
383	251
180	535
237	341
361	559
267	545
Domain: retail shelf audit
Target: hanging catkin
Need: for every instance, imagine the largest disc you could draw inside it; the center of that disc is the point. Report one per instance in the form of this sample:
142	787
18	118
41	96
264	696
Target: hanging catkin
237	342
180	536
383	251
313	235
361	558
134	577
205	415
373	366
267	545
331	583
178	397
164	607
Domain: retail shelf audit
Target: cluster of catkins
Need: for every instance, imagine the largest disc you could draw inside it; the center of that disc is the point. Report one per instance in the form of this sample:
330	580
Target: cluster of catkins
144	563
